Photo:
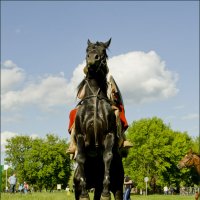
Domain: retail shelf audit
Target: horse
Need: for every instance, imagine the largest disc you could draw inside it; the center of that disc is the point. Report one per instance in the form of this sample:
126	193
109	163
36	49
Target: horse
189	160
99	162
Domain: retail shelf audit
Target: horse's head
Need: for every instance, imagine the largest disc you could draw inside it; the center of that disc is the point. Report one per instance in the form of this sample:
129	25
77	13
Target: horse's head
96	58
186	161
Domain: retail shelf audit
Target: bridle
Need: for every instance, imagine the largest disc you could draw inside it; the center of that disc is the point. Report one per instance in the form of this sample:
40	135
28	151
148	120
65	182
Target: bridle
188	160
102	62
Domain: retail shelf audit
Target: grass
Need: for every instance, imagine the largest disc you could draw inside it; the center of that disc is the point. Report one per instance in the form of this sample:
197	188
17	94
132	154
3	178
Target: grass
63	195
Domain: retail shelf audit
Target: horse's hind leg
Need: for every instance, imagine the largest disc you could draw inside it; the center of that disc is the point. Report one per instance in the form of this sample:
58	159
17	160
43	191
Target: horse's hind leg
77	187
118	195
107	158
80	158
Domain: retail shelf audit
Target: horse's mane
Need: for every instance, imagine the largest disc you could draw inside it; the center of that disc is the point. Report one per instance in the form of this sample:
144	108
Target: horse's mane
194	153
197	154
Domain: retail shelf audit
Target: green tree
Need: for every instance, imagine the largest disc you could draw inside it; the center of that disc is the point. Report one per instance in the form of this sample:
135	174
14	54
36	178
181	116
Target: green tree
156	152
9	172
40	162
16	149
196	145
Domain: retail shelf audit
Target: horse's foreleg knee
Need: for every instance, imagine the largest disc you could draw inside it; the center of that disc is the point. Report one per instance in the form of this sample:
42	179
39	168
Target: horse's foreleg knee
107	157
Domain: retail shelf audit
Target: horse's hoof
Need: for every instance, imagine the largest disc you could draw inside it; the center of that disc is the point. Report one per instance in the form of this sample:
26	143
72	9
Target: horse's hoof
106	197
84	197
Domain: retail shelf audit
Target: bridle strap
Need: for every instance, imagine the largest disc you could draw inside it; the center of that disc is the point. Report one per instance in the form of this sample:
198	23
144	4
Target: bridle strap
95	95
95	110
102	63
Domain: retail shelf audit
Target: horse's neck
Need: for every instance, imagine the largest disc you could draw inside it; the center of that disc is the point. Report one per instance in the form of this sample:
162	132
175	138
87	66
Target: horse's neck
94	87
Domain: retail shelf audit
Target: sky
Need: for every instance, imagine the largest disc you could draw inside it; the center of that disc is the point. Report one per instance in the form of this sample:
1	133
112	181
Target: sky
153	57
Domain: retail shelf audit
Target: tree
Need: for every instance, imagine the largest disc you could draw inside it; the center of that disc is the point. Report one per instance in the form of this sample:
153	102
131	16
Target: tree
40	162
196	145
16	149
156	152
9	172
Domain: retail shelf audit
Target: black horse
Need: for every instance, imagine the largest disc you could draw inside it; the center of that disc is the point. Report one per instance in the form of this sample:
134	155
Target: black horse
99	163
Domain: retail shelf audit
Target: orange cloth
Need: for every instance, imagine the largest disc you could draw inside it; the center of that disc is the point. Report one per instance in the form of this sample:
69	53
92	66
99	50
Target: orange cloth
123	117
72	116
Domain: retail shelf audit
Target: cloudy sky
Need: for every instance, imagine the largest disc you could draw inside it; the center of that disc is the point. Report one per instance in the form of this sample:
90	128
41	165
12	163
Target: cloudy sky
153	56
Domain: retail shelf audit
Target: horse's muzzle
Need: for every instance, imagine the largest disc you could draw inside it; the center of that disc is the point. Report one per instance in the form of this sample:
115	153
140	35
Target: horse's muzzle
92	58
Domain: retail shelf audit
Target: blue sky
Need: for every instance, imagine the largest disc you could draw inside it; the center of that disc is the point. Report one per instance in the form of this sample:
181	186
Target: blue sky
153	56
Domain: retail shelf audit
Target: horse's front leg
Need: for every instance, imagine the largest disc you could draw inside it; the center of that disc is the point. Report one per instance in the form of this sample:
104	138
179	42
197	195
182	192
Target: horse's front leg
107	158
80	158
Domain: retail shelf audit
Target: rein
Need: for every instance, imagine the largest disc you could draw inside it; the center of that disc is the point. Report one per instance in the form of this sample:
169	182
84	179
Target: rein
95	96
95	110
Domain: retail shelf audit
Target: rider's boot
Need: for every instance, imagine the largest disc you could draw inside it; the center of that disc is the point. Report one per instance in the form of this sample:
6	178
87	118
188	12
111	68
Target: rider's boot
120	132
72	146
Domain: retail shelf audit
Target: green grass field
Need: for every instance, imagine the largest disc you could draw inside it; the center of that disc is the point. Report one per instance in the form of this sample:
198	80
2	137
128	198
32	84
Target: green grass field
70	196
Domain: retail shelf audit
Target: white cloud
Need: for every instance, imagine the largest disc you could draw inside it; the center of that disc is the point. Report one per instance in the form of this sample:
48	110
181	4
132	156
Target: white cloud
4	136
7	135
191	116
141	77
179	107
48	91
11	76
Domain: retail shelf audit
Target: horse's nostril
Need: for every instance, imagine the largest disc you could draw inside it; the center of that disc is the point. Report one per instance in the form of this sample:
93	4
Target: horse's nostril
96	57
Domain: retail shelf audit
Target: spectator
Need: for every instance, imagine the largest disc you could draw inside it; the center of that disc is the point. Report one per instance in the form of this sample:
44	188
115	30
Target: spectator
12	180
171	190
165	190
67	189
21	187
25	187
128	185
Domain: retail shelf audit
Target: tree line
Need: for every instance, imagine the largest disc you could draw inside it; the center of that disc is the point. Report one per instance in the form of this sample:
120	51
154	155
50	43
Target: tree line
156	153
43	162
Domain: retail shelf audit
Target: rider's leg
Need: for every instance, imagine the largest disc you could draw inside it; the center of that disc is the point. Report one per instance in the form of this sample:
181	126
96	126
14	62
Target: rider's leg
120	132
72	146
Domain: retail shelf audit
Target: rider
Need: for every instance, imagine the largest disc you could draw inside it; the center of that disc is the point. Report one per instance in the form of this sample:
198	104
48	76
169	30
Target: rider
122	125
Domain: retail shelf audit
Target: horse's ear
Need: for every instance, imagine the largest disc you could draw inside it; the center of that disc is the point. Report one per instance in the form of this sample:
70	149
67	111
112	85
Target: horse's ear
106	44
88	42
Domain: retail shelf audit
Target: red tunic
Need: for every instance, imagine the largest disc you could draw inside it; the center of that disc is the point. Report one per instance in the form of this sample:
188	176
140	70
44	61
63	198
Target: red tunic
73	112
72	116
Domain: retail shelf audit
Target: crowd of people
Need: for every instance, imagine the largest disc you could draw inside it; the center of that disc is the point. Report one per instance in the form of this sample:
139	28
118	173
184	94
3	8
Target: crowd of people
23	187
128	185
